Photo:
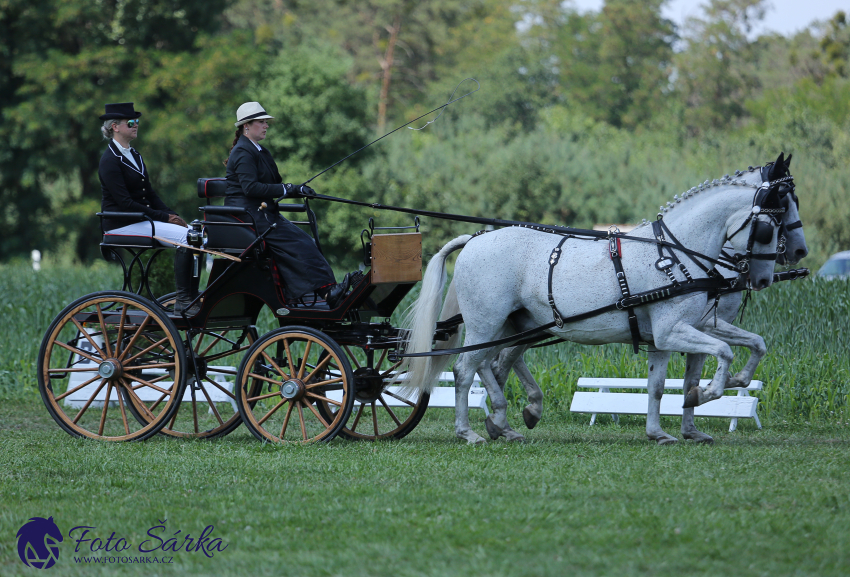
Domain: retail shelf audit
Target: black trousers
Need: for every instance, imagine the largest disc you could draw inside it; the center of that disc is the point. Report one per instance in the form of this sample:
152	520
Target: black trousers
299	262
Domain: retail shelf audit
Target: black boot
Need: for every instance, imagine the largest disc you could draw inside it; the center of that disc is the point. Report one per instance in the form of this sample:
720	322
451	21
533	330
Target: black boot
337	292
187	283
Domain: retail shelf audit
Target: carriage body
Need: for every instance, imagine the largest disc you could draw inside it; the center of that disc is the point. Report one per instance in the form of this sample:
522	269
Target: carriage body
121	365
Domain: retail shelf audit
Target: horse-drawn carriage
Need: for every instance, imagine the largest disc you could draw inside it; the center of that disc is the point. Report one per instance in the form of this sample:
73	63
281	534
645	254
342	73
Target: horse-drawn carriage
122	366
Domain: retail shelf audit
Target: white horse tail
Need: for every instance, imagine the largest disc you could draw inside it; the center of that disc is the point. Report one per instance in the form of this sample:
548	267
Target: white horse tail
420	322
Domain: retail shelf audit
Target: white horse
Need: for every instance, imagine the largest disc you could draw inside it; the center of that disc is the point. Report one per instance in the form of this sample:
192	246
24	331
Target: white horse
717	323
501	287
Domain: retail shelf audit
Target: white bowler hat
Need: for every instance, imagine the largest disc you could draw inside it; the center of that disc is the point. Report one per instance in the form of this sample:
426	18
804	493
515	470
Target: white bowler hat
250	111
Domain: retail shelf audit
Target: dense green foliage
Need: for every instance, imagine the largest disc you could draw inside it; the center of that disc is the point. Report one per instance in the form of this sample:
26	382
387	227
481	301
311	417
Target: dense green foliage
576	500
582	117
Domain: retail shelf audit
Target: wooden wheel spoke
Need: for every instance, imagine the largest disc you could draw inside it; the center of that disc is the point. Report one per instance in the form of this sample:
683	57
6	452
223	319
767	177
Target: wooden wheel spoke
103	330
399	397
391	369
220	388
216	340
381	360
123	411
288	355
218	370
301	418
357	417
266	396
304	360
212	405
158	401
318	416
86	406
144	383
272	411
139	401
80	352
135	337
390	411
266	379
318	368
351	356
105	404
375	419
70	370
121	330
286	420
156	344
77	388
323	383
86	334
325	399
274	364
152	366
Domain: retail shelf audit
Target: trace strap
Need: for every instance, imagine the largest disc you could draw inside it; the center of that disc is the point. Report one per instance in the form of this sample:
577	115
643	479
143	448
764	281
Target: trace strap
615	251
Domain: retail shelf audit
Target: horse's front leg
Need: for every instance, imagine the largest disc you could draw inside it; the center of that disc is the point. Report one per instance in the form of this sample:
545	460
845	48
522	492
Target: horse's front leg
685	338
738	337
693	372
655	386
464	372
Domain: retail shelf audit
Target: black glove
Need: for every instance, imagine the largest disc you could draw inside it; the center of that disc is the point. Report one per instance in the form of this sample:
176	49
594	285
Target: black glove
290	191
305	190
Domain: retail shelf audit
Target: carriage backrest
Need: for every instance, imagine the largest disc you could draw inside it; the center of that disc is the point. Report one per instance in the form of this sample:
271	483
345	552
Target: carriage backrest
211	188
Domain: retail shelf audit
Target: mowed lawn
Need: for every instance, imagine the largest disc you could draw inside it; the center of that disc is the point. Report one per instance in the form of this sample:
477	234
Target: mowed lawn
573	500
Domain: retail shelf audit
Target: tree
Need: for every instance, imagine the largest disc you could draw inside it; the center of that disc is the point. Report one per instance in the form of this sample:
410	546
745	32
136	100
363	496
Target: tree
715	71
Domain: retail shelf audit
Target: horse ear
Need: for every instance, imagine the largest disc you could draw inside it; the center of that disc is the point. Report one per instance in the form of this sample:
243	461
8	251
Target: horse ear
776	167
788	161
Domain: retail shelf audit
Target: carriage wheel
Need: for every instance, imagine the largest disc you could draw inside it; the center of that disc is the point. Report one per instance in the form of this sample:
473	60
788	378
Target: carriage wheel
282	378
208	410
108	354
380	411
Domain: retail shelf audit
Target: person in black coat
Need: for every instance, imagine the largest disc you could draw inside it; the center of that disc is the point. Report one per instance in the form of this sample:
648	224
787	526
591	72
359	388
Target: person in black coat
126	187
253	178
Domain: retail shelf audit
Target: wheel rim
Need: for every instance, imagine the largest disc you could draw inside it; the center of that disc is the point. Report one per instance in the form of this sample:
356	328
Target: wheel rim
382	411
282	378
111	347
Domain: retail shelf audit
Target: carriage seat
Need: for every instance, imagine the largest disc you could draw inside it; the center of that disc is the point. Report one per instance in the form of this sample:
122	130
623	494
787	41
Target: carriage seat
127	240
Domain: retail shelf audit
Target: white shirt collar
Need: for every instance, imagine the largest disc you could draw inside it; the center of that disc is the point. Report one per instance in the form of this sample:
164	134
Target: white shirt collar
121	148
255	144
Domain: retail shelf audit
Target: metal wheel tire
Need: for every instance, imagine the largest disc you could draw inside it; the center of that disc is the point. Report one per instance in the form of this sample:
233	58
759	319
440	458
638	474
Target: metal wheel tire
282	377
208	409
106	349
380	411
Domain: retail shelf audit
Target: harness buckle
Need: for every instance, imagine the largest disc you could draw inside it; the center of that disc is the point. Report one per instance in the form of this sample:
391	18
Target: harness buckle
664	263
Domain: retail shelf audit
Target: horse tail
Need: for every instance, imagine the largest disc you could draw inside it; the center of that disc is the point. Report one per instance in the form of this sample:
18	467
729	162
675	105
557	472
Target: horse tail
420	322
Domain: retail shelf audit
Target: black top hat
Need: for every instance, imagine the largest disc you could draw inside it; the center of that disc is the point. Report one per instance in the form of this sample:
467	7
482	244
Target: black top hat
120	110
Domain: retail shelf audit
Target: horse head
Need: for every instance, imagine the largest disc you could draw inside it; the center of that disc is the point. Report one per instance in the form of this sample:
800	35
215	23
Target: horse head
792	241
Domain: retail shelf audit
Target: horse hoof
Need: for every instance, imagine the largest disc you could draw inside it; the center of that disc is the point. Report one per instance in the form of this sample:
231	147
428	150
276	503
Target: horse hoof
471	438
530	419
492	430
667	441
692	398
699	437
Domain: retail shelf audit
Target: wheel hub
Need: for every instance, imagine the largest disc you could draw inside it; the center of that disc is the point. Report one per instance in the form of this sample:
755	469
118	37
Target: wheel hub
292	389
368	384
110	369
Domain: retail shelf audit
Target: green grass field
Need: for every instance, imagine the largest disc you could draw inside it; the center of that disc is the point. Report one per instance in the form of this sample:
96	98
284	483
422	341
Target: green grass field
573	500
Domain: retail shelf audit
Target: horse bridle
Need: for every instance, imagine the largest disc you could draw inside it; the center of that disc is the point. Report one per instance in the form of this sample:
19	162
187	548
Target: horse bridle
761	231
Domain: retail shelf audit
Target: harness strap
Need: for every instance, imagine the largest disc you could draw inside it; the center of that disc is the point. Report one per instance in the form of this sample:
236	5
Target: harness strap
615	250
553	260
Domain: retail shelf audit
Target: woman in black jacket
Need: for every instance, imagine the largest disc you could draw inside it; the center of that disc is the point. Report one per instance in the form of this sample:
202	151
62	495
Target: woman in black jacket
126	187
253	178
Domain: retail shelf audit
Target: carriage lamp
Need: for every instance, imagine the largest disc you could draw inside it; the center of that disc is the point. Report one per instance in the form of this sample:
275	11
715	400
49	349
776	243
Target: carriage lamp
195	238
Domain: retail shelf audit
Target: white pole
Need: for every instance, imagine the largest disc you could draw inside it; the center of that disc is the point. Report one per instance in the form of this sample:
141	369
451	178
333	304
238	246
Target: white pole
36	260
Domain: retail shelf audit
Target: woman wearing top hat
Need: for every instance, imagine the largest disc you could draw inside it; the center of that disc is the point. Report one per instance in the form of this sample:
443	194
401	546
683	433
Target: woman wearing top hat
253	178
126	187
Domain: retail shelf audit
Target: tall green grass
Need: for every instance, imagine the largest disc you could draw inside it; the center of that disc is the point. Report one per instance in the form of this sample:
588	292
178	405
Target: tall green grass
805	323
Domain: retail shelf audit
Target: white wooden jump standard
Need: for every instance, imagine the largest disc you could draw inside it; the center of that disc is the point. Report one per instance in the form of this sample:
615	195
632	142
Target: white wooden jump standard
742	406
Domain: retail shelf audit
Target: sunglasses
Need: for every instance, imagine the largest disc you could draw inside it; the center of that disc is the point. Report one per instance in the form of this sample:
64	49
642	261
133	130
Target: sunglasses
132	123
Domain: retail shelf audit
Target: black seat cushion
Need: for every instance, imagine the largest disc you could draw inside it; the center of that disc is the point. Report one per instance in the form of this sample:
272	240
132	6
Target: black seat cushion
227	237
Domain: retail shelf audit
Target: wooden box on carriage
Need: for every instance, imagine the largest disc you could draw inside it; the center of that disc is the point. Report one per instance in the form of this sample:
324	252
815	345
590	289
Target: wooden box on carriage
396	257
